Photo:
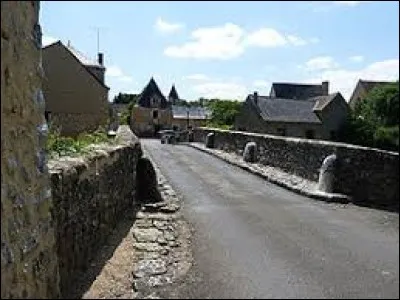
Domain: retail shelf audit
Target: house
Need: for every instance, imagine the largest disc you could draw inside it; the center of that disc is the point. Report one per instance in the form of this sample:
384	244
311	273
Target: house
75	94
306	111
363	87
154	112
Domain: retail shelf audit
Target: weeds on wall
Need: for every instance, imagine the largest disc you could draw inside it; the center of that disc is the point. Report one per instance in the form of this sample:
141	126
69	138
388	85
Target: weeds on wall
58	145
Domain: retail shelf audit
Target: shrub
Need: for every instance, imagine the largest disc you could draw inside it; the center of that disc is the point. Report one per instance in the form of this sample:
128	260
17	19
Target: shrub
58	145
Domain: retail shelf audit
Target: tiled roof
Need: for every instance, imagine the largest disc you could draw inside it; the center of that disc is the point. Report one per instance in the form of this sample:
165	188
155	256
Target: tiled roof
286	110
296	90
195	112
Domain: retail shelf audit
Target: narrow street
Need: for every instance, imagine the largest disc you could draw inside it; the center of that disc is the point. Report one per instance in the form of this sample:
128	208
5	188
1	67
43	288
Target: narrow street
252	239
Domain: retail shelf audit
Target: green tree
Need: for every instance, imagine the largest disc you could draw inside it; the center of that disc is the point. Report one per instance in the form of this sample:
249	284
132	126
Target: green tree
123	98
375	120
223	112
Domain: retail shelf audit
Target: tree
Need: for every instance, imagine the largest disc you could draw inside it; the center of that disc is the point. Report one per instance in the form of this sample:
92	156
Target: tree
223	112
375	120
123	98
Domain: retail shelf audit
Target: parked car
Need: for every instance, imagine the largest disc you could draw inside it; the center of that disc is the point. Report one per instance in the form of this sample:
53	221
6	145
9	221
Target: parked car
168	136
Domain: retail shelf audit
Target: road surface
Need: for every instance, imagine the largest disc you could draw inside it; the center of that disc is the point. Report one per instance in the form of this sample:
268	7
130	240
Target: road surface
253	239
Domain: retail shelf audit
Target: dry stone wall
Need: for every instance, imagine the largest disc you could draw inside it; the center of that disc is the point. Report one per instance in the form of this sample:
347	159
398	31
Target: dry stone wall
91	194
29	266
369	176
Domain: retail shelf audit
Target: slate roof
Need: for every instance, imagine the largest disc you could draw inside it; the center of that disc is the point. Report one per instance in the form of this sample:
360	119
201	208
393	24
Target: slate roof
151	90
173	94
296	90
322	101
286	110
195	112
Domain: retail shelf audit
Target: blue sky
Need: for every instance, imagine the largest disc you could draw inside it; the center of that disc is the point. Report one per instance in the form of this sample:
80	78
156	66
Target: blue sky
230	49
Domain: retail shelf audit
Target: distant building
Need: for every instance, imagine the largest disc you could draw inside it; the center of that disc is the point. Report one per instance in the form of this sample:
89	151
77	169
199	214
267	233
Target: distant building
363	87
296	110
75	93
184	117
153	112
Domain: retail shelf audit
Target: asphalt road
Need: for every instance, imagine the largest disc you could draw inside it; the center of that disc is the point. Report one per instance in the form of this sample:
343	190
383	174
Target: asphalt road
253	239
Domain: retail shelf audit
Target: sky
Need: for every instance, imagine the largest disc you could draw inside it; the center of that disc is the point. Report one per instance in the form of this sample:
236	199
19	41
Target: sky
229	49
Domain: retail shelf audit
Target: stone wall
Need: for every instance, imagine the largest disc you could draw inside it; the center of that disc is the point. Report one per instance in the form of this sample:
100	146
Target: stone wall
29	267
91	194
369	176
72	124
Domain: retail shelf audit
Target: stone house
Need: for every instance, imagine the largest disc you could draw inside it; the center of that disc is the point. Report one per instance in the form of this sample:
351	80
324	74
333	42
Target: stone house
363	87
75	93
154	112
297	110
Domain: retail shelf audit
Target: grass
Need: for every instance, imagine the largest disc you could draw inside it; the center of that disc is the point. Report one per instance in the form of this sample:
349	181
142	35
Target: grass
58	145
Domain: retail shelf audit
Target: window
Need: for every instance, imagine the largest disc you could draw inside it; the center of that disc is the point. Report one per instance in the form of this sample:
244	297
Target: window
309	134
155	114
281	131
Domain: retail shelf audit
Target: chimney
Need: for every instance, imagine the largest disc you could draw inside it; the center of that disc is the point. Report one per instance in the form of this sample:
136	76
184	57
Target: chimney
100	59
325	88
255	97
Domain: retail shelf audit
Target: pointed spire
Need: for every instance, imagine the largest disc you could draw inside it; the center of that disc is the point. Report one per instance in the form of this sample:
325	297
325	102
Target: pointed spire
173	95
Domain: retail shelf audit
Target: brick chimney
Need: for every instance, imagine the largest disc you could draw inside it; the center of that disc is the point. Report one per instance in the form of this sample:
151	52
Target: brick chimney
325	88
100	59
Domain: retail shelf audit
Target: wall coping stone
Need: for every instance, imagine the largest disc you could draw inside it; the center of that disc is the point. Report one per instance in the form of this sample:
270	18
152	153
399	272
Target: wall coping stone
300	140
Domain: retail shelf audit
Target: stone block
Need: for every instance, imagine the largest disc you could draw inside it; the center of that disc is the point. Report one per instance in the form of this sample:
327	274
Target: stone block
210	140
250	152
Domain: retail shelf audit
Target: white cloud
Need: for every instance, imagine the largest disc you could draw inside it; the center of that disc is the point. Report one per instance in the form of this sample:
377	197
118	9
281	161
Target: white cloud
213	42
260	83
116	73
230	41
296	41
47	40
356	58
344	80
320	63
113	71
196	77
265	37
222	90
167	27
